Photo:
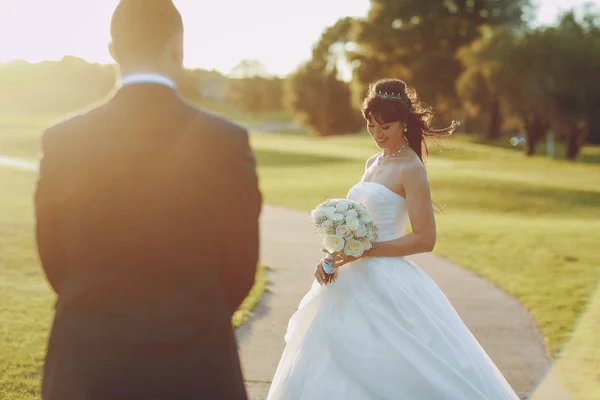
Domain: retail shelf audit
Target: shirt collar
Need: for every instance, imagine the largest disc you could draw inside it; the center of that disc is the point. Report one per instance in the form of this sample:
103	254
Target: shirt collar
148	77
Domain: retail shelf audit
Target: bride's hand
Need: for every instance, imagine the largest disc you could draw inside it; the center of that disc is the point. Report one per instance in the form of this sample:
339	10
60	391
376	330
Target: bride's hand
322	277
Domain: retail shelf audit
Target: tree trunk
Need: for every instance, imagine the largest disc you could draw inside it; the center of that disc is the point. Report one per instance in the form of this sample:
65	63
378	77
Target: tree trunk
574	142
535	130
495	119
529	147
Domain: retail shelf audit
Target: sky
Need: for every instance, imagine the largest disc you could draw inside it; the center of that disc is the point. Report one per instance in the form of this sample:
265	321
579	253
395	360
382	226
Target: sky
218	34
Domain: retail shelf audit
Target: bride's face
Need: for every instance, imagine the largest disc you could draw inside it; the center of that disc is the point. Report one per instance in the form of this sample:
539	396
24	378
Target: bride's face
386	136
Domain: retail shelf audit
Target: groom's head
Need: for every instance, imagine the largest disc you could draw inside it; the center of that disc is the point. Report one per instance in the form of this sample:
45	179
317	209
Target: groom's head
147	32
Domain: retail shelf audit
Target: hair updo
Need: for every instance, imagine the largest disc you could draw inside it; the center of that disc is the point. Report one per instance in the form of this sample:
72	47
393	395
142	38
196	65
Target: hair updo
390	100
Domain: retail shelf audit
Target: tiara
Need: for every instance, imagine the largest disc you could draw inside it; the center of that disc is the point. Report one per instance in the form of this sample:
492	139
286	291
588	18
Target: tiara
390	96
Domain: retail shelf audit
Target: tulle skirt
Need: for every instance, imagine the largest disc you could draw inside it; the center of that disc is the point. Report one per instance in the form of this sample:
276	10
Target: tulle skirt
383	330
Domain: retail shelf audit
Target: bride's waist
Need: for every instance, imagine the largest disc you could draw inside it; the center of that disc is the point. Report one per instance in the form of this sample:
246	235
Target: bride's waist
368	263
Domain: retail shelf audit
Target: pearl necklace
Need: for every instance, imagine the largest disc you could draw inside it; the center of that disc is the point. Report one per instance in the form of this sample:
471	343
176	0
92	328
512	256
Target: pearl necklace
394	154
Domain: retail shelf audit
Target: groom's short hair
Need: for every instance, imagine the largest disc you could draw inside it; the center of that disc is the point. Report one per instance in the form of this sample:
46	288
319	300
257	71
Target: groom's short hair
140	29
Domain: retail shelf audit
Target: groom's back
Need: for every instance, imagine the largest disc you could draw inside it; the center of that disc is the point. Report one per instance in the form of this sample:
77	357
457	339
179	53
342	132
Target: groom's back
137	198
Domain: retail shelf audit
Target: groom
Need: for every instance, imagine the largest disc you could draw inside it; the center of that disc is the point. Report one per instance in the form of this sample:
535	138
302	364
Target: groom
147	227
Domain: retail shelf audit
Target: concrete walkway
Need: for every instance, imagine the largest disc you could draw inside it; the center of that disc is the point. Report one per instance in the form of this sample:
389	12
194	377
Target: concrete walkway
502	326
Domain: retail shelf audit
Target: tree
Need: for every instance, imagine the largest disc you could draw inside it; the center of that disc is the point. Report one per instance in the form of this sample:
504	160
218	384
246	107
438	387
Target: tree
574	93
321	101
478	85
315	92
417	40
547	76
256	94
252	89
522	79
52	87
249	69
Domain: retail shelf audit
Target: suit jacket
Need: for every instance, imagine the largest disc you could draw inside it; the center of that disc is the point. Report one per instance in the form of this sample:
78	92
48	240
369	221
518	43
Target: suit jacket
147	228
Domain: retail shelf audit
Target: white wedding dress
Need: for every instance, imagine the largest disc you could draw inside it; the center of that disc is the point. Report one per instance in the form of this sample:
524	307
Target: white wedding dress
383	330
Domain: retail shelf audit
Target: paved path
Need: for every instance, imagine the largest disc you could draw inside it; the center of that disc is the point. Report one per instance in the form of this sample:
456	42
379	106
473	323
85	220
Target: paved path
500	323
18	164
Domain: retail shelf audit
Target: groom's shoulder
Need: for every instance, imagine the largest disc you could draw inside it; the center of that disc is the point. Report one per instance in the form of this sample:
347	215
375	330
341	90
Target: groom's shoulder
75	124
216	125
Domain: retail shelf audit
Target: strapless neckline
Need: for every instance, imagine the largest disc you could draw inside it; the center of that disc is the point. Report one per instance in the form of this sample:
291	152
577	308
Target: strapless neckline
382	186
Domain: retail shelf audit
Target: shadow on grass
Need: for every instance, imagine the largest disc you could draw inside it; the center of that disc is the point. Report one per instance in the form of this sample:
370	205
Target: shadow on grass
273	158
589	154
590	157
519	198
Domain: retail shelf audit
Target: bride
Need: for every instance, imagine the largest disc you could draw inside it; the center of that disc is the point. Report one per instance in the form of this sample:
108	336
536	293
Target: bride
380	328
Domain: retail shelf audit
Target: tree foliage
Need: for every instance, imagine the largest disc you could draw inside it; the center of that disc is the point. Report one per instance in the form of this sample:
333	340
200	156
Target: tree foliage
321	101
59	87
256	94
252	89
417	41
316	94
53	87
547	76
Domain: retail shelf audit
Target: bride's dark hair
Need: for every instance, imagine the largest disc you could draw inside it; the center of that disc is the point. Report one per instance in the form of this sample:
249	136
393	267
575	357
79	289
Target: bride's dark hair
390	100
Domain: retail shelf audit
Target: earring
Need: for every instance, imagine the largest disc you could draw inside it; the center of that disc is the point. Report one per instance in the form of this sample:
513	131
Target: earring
405	128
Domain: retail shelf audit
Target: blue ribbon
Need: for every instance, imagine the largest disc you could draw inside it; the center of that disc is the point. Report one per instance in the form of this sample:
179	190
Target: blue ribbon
328	266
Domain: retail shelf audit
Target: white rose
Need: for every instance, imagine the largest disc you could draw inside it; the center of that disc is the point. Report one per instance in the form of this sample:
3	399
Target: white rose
361	212
318	215
361	231
352	213
329	203
336	217
354	248
366	219
368	245
334	243
327	227
352	222
342	206
343	231
328	211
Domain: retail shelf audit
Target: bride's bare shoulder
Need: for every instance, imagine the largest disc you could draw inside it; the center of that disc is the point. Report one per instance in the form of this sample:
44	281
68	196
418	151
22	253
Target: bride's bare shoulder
411	167
371	160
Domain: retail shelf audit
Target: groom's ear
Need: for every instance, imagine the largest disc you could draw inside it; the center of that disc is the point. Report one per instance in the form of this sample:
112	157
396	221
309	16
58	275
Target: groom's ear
111	49
175	49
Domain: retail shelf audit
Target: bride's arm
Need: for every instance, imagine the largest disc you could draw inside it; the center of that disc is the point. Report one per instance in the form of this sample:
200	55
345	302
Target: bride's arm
422	220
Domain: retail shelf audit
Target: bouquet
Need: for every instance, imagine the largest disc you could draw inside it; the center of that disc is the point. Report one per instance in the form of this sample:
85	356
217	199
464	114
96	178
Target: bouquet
346	228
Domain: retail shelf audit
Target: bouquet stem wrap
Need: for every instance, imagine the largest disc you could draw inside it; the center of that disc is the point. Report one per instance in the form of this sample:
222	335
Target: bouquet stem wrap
327	266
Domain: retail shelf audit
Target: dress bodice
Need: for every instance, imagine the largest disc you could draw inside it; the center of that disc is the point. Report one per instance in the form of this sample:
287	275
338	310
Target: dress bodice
386	208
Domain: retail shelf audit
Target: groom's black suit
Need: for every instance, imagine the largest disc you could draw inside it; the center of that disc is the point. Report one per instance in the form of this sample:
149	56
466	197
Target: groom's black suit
147	227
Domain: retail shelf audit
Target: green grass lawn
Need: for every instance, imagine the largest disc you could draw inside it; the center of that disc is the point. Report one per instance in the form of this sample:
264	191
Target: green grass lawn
530	226
26	301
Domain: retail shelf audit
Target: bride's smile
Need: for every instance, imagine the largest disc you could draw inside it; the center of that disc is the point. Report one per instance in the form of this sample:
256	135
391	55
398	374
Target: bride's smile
387	136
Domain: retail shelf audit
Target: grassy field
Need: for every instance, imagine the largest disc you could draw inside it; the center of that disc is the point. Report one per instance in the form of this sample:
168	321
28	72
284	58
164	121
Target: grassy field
529	225
26	301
